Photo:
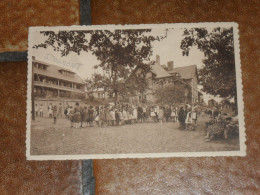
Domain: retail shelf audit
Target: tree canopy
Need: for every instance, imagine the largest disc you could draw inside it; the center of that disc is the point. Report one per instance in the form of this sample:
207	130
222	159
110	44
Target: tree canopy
173	94
120	52
217	76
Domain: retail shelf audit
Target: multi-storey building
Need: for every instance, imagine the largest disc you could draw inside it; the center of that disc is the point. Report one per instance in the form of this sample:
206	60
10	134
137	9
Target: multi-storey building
186	76
54	85
162	75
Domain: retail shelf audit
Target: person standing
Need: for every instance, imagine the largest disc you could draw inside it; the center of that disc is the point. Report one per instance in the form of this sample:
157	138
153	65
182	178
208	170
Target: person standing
41	110
173	115
188	120
156	111
160	114
97	117
77	116
55	113
101	116
124	116
117	117
36	109
112	117
144	113
91	116
84	116
50	110
135	115
182	118
194	115
140	113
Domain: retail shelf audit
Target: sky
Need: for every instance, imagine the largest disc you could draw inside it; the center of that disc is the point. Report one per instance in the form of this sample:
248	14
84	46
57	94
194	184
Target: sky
168	49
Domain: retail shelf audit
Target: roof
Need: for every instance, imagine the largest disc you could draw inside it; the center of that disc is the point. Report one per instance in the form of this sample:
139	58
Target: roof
159	71
186	72
164	66
54	72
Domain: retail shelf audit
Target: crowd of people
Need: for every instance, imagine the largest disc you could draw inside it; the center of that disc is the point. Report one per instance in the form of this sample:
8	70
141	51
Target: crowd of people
121	114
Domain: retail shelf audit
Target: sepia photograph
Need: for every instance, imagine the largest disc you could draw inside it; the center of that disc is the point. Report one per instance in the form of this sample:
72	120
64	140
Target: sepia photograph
134	91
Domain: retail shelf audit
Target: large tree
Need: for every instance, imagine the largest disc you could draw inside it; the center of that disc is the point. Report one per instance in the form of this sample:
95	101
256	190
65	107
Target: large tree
120	52
173	94
217	76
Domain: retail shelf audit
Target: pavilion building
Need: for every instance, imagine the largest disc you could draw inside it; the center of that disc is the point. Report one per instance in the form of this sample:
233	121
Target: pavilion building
54	85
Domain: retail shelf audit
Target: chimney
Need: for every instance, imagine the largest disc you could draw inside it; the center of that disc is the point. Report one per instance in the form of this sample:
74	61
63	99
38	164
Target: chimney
157	60
170	65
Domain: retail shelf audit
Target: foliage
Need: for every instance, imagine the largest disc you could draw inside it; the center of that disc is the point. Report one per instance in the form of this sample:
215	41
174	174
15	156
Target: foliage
217	76
120	53
173	94
97	81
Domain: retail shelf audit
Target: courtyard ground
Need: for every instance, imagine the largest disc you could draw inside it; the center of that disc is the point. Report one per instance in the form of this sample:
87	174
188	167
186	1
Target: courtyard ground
59	139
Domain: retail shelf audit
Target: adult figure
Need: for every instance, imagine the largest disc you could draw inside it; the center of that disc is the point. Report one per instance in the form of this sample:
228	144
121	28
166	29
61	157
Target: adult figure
181	118
77	115
91	116
117	117
50	110
167	113
144	113
160	114
101	116
55	113
124	116
140	113
85	117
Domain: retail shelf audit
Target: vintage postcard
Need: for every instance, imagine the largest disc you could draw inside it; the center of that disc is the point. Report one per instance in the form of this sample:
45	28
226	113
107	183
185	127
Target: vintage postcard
134	91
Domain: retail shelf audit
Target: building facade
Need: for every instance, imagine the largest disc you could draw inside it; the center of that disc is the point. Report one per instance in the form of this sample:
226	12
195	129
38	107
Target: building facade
163	75
55	85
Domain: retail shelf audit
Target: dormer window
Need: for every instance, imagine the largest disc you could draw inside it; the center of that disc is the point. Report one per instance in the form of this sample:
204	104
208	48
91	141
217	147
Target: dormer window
67	73
40	66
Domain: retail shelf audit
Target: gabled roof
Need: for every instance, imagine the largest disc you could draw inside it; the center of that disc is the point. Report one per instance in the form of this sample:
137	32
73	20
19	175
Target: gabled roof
186	72
54	72
159	71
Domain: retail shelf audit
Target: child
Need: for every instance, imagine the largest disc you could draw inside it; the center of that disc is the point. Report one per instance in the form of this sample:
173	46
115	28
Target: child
188	121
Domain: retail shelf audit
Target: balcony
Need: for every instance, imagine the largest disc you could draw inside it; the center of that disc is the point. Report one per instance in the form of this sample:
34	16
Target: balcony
60	87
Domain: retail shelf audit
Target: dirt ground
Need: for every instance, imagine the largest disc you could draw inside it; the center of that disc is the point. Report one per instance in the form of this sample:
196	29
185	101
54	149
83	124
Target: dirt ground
59	139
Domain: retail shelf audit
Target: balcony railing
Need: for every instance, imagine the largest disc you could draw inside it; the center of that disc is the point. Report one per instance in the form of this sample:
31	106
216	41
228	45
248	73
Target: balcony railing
51	85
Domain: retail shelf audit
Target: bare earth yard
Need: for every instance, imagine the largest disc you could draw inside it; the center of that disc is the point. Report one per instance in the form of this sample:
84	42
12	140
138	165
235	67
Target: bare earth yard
59	139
